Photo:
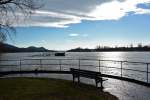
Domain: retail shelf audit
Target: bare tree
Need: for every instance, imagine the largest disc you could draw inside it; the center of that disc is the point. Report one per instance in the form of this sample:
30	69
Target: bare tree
11	10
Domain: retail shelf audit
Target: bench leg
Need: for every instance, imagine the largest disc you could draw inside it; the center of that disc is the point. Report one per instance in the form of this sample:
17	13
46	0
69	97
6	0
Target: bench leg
73	78
96	82
78	79
101	82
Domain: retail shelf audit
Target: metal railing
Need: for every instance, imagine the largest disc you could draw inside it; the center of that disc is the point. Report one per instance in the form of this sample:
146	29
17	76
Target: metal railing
120	67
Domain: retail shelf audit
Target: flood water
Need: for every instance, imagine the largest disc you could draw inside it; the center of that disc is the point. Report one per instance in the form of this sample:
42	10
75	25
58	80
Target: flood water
123	90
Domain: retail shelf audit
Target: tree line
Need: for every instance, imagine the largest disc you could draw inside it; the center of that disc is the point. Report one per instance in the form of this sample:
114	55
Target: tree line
99	48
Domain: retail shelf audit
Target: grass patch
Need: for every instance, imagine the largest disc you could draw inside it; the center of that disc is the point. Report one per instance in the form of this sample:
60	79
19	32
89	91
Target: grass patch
48	89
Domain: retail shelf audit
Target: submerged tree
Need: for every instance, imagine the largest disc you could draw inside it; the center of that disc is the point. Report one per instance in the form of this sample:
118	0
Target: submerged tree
11	10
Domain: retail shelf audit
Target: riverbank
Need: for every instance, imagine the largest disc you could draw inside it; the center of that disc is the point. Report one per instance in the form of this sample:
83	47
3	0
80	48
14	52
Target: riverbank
48	89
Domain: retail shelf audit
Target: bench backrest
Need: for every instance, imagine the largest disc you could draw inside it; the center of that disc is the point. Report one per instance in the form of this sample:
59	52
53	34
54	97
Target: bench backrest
85	73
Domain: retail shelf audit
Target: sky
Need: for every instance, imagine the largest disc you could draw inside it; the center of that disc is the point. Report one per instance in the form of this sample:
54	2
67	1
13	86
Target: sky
66	24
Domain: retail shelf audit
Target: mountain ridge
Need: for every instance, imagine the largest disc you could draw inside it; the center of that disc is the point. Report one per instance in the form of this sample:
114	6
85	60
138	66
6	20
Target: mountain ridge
4	47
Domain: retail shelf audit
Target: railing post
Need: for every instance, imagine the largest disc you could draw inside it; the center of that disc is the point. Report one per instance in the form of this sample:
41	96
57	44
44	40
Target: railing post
147	72
20	64
99	66
60	64
121	68
79	63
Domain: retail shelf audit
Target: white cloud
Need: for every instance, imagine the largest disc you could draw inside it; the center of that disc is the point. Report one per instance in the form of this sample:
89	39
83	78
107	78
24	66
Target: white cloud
73	34
85	35
43	41
62	13
115	10
142	11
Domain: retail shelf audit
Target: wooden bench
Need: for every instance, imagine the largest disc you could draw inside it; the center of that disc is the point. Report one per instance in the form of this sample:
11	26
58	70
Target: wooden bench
77	73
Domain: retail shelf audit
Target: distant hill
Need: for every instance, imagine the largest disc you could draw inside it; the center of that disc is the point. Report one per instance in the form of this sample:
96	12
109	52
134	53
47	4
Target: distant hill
10	48
80	50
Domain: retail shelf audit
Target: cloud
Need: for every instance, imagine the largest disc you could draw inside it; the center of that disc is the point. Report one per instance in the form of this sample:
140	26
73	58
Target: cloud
73	35
115	10
85	35
62	13
43	41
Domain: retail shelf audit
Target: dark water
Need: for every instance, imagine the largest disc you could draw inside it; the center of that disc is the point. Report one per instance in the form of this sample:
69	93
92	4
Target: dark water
123	90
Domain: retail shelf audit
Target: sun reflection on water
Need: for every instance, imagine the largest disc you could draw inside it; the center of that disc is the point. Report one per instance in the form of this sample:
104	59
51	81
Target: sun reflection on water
112	56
